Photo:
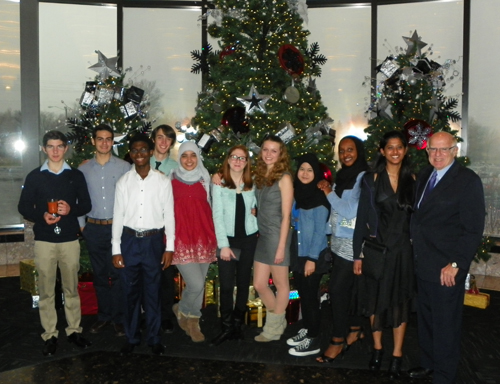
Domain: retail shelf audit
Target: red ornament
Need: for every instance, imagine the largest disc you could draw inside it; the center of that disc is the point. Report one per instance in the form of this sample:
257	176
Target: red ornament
327	173
291	60
229	50
417	133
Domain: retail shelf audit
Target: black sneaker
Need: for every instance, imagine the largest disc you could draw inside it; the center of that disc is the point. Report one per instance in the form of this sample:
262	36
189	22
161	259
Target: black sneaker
308	346
297	339
77	339
50	346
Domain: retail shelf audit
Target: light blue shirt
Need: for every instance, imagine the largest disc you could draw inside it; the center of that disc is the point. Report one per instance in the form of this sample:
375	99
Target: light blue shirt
101	183
166	166
45	167
311	226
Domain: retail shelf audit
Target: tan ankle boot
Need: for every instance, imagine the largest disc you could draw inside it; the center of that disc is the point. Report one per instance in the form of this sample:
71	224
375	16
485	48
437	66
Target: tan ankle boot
193	324
181	318
273	329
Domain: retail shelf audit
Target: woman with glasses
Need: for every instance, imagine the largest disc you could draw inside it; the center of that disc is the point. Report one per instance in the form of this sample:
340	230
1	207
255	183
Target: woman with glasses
236	231
272	256
195	242
384	210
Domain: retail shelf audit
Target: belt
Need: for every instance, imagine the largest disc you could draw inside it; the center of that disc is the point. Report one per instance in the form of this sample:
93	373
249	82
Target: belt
147	232
99	221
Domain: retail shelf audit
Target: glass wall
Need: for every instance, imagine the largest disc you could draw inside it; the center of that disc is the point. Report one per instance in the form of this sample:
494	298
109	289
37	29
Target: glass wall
69	36
439	24
344	37
11	172
159	58
484	104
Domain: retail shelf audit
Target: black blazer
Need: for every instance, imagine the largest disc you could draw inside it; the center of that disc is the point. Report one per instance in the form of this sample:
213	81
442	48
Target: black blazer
448	226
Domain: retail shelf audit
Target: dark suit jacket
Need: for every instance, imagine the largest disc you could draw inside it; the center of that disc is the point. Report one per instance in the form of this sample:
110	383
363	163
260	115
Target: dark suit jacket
448	226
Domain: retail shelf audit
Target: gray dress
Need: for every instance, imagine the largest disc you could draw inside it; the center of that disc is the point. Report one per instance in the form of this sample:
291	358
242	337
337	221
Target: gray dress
269	220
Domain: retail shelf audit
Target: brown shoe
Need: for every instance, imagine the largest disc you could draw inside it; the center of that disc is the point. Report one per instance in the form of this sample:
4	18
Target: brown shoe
119	329
98	326
181	318
193	324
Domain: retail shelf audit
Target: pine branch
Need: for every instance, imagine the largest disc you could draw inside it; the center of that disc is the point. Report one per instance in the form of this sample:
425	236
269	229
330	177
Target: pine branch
202	60
450	104
316	59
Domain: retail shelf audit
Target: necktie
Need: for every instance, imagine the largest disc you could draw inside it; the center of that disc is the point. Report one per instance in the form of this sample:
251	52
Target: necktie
429	187
158	163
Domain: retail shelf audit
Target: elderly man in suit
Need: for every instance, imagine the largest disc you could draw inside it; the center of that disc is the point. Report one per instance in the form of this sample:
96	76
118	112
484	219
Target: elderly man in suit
446	229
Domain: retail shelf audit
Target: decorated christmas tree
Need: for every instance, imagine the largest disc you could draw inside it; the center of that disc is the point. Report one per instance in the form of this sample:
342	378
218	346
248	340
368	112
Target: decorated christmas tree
260	82
110	100
410	96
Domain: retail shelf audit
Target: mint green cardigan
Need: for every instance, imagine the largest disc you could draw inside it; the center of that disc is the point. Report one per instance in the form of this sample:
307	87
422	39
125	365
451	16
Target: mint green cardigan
224	213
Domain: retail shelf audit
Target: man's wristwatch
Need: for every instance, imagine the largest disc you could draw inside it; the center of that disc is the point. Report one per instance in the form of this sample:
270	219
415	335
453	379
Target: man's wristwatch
454	265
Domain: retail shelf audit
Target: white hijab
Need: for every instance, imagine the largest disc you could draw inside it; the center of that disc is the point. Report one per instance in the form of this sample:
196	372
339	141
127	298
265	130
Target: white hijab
199	173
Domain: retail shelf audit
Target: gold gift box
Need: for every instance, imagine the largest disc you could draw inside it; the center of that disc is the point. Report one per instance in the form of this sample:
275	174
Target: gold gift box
28	276
256	312
478	300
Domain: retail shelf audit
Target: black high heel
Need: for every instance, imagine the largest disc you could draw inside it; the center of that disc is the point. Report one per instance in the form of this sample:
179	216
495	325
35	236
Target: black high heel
327	359
376	360
360	335
395	367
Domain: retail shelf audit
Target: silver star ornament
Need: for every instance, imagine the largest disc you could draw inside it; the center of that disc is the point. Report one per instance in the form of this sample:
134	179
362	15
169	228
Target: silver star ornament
104	66
254	101
415	44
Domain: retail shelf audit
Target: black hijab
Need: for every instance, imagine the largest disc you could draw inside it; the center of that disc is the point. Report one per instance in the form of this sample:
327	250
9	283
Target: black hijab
308	196
346	176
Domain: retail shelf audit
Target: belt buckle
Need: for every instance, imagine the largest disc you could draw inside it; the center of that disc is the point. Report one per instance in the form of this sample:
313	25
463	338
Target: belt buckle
139	234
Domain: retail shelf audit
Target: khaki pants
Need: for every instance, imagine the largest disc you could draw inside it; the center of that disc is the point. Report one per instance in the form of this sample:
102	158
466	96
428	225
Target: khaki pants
47	257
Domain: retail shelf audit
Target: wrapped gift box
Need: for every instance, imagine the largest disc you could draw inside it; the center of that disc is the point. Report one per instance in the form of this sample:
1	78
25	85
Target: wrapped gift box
478	300
256	313
29	277
88	298
293	308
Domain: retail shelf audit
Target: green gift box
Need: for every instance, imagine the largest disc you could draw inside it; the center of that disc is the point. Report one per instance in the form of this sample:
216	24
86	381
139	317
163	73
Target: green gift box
28	276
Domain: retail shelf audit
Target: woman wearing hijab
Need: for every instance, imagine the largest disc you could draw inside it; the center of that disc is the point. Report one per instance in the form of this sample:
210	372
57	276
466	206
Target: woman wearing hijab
310	220
195	242
344	198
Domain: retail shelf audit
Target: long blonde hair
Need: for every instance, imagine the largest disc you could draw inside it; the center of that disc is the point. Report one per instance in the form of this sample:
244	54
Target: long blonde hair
280	167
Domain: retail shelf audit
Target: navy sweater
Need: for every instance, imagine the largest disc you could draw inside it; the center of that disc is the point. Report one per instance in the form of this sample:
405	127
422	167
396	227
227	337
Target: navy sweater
40	186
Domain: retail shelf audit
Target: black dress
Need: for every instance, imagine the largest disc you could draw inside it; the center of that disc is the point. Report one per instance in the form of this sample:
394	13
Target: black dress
390	298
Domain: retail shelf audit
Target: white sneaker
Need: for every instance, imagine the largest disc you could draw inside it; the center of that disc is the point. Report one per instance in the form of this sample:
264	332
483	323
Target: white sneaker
307	347
297	339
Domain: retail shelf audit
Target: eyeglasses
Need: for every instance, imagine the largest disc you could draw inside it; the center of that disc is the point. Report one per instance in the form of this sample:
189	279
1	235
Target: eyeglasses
442	150
142	151
236	158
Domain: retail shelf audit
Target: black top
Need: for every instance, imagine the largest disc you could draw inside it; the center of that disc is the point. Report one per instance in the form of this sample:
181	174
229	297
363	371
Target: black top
239	222
40	186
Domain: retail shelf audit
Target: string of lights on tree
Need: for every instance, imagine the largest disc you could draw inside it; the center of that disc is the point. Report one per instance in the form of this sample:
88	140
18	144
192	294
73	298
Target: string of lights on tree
260	82
108	100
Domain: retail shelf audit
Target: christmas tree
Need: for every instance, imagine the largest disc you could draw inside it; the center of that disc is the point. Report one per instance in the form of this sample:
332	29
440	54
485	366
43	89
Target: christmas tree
108	100
260	82
410	96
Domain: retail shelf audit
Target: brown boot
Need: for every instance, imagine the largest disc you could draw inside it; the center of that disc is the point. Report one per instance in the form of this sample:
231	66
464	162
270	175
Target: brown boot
181	318
193	324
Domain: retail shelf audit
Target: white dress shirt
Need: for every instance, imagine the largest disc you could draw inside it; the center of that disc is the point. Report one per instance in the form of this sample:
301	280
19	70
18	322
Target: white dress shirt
143	204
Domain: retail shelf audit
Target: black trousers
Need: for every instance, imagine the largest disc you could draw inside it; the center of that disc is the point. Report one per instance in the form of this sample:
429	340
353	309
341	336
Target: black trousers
439	313
107	282
341	286
308	288
239	271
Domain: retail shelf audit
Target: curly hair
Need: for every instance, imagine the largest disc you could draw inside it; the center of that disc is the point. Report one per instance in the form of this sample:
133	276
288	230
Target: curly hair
247	174
280	167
